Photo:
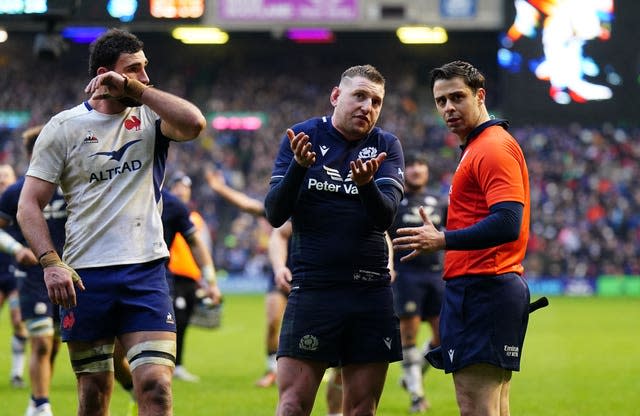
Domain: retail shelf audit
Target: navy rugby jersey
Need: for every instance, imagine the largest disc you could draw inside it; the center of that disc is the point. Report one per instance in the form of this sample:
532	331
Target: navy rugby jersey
175	218
55	213
409	216
335	240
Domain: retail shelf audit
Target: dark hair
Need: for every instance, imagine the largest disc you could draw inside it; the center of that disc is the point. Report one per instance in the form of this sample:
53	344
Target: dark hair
365	71
415	157
29	137
106	50
459	69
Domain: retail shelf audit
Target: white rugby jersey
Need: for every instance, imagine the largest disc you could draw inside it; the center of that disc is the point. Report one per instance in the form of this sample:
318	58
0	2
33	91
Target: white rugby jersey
110	168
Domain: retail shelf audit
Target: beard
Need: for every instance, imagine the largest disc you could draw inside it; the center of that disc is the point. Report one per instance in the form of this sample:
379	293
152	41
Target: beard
129	102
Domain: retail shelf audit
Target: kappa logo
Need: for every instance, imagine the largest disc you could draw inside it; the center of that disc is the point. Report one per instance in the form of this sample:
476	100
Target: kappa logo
324	149
132	123
451	352
387	342
90	138
335	175
117	154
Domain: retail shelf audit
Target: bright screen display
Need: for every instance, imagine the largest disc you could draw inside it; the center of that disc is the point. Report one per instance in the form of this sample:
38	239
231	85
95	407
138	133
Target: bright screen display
571	60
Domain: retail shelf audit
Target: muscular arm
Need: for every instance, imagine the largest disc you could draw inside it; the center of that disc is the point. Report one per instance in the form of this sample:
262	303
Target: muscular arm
35	195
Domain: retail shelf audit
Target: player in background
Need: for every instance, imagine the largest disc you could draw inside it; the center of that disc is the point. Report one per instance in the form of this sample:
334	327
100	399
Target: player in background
485	310
187	274
39	315
418	286
279	257
12	251
278	288
276	298
339	179
108	155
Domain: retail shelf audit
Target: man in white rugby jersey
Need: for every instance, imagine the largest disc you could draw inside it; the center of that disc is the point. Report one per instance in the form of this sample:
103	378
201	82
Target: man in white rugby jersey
108	155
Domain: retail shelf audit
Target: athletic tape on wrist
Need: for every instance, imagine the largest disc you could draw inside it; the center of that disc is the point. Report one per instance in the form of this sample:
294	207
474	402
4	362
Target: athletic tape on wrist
50	259
133	88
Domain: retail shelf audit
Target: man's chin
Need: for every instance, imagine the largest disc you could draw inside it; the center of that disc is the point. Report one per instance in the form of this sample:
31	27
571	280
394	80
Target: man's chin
129	102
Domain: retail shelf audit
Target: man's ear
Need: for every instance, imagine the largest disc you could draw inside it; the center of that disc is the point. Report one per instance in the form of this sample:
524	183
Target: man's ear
480	94
335	93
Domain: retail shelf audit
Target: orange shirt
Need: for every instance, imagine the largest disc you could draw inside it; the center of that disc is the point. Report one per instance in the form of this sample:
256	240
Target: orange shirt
181	261
492	169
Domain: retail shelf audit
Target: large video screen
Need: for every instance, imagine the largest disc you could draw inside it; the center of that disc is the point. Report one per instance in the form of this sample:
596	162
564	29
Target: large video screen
571	60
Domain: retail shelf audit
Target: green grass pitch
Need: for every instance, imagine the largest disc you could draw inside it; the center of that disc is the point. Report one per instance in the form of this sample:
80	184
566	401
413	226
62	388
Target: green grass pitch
581	357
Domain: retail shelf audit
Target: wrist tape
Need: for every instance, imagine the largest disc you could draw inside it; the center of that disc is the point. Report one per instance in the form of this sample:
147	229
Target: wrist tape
51	259
133	88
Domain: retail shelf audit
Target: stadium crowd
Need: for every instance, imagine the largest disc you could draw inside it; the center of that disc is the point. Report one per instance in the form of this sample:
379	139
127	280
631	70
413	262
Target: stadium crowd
584	179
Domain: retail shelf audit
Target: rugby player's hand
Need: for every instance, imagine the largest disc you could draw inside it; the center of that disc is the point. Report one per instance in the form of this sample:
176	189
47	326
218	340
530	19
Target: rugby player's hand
214	293
107	85
301	148
362	172
60	280
423	239
25	257
282	277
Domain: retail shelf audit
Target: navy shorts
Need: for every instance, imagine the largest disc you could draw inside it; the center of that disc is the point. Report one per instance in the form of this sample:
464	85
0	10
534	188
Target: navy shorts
341	326
418	293
119	300
8	282
34	298
484	320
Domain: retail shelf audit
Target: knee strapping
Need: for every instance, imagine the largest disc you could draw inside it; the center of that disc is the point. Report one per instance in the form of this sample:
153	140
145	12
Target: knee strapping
95	360
40	327
160	352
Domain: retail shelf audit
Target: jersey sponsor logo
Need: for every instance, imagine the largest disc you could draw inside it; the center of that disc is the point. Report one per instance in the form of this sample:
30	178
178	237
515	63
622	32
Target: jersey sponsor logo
511	350
117	154
132	123
309	343
109	174
324	149
368	153
345	185
90	138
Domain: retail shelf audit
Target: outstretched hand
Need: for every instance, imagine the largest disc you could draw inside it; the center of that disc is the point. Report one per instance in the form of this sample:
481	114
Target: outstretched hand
423	239
301	148
362	172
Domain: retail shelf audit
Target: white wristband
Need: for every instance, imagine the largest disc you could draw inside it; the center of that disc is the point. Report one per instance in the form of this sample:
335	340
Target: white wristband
208	273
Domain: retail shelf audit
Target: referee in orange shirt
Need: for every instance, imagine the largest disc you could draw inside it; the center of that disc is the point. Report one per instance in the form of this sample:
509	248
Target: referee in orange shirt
485	311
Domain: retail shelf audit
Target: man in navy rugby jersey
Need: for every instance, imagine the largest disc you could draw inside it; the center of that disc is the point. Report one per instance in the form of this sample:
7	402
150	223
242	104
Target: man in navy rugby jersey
38	312
10	252
340	180
418	287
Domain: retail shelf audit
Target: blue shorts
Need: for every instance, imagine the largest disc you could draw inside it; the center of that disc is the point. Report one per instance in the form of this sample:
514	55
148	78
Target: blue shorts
119	300
418	293
341	326
34	298
8	282
484	320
